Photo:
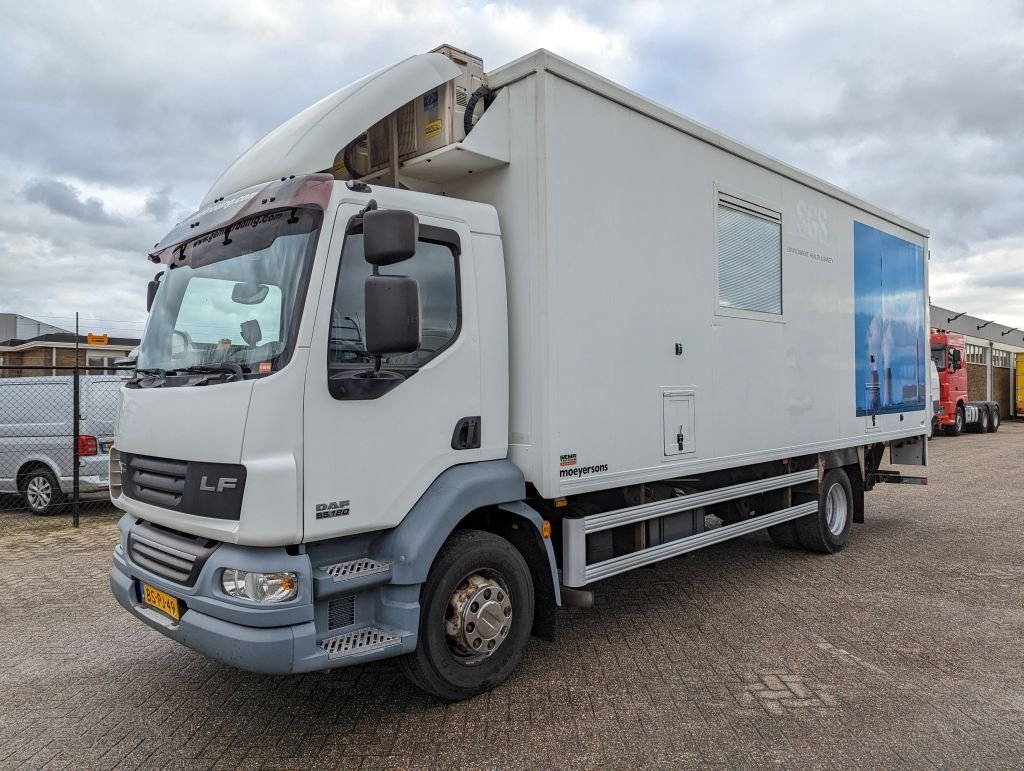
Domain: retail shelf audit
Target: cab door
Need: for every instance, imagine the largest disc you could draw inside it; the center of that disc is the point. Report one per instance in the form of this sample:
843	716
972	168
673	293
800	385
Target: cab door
372	446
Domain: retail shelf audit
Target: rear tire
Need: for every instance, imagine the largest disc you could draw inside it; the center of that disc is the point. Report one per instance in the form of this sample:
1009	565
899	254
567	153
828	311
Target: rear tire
828	530
41	492
783	535
477	580
993	424
957	427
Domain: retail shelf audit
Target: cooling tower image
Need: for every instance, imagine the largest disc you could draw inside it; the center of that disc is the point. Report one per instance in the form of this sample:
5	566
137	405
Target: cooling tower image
889	328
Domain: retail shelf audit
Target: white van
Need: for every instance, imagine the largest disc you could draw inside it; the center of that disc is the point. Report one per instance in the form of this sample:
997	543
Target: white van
37	437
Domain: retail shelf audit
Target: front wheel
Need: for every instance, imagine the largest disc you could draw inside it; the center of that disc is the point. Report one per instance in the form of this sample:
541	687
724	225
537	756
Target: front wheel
829	529
958	426
476	612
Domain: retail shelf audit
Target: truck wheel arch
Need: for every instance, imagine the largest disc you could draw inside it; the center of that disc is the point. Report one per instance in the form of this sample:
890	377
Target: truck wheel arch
487	495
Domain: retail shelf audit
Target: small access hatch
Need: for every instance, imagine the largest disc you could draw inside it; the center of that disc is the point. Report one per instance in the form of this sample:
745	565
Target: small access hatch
678	417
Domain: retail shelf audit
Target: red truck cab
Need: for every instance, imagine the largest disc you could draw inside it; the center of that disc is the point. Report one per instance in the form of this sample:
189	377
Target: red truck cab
954	412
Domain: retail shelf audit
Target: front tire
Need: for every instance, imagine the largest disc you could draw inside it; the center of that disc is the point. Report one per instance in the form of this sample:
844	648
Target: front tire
958	425
476	612
41	492
829	529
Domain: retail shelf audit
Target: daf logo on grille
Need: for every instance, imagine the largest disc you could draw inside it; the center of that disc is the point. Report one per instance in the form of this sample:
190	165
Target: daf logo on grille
224	483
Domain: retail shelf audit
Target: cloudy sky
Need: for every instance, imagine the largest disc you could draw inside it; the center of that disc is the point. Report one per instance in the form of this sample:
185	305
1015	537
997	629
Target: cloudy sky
118	115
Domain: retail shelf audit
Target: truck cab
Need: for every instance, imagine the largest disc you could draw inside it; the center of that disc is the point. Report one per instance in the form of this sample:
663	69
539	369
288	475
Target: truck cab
954	410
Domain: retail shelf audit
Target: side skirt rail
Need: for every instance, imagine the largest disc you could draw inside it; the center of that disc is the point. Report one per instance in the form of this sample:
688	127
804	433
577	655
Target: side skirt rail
577	573
595	523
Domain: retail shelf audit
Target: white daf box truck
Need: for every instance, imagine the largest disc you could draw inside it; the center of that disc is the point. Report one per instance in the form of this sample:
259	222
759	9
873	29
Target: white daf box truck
449	347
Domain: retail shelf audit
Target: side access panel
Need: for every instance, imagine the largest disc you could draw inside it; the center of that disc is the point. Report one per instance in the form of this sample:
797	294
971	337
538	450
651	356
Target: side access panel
677	411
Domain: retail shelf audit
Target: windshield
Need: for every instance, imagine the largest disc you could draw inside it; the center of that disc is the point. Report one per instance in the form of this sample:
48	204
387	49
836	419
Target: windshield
230	300
939	357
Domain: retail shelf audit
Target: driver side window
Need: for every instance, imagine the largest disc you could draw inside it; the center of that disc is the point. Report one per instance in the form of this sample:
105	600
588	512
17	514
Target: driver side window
434	266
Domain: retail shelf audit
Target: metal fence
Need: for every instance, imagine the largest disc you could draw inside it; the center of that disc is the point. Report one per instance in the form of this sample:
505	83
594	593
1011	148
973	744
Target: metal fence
56	429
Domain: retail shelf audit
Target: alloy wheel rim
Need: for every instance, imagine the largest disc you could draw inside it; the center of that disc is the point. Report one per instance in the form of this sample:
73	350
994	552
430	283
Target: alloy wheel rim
39	492
836	509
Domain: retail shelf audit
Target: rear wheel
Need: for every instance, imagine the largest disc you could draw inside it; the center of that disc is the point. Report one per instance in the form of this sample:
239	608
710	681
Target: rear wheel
983	422
783	535
993	424
476	612
41	492
829	529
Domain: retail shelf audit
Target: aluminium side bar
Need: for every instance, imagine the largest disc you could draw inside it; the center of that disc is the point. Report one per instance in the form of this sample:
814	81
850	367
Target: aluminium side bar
595	523
637	559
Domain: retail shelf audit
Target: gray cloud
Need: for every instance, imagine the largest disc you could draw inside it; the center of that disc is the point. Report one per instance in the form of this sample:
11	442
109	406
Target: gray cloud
159	205
62	198
914	106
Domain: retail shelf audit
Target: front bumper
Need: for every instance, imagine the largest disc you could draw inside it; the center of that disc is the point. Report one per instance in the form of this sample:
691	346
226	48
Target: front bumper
274	650
275	639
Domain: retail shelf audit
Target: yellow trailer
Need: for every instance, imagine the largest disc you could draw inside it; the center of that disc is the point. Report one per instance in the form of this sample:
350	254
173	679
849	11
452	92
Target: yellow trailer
1020	385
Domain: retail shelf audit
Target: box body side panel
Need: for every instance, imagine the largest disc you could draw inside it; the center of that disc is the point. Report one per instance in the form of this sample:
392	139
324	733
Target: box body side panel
610	229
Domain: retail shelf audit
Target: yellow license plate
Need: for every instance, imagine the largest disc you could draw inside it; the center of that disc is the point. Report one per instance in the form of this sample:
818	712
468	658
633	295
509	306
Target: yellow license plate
161	601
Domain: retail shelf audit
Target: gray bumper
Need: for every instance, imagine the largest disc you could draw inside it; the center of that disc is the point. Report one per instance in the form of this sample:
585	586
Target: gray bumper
269	639
268	650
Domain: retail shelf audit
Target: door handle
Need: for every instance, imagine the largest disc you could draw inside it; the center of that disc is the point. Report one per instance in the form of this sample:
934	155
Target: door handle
680	439
467	434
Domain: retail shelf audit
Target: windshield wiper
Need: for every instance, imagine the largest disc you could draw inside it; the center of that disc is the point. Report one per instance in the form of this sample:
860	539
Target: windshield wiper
148	374
226	370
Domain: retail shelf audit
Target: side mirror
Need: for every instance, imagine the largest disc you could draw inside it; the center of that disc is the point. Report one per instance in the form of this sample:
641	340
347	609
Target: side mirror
151	291
389	236
957	361
393	323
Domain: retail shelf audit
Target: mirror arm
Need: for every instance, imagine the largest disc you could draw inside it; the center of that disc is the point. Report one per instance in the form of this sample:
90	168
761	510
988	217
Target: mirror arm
378	359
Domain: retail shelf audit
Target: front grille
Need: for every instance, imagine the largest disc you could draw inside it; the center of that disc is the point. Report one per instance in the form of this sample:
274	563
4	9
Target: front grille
341	612
190	487
157	481
178	557
170	563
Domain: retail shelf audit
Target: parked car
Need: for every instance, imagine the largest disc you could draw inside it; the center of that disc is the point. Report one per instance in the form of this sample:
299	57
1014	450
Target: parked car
37	437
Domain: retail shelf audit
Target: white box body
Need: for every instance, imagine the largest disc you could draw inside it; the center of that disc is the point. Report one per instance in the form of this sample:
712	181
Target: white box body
608	211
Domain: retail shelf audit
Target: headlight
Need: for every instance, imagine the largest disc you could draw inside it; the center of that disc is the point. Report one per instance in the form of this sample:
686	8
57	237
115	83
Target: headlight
260	587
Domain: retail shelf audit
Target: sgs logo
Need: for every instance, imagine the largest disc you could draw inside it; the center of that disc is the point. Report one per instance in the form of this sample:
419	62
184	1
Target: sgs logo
812	221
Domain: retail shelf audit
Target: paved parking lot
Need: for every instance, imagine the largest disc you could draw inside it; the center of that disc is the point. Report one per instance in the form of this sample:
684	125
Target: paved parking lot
907	649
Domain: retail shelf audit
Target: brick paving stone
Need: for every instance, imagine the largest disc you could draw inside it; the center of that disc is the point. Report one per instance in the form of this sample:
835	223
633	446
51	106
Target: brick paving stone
905	650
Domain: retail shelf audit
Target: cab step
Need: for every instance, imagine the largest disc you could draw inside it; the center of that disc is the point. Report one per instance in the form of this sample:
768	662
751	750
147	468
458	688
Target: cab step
359	643
355	569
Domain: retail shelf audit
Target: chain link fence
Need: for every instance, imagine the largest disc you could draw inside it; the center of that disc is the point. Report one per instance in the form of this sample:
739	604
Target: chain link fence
56	428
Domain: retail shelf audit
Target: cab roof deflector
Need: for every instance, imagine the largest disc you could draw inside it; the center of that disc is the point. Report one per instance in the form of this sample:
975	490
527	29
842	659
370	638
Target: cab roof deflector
309	141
